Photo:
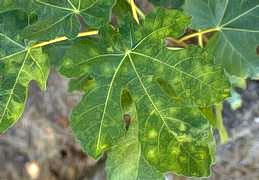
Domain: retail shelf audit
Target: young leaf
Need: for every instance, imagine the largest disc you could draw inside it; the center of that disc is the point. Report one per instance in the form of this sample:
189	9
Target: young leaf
18	66
135	58
67	18
237	40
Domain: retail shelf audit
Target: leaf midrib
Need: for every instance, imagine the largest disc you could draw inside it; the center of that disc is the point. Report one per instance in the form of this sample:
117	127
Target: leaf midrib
107	99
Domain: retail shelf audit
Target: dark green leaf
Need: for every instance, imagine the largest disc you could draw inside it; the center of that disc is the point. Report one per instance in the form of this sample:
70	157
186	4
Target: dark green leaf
84	83
135	58
67	18
57	51
235	46
10	5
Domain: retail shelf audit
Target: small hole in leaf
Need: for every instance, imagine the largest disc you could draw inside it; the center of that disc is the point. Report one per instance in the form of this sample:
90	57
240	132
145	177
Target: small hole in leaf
127	121
257	50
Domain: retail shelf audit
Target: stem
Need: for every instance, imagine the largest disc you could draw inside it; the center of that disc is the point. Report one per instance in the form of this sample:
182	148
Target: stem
200	39
200	33
138	10
174	44
134	10
60	39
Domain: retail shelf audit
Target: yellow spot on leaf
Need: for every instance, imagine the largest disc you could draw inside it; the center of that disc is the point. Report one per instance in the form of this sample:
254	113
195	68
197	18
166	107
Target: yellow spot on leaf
151	154
109	49
183	159
152	134
176	151
182	127
184	138
201	155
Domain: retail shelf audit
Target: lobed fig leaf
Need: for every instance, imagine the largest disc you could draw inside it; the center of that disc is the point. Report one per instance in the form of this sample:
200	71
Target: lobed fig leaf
167	87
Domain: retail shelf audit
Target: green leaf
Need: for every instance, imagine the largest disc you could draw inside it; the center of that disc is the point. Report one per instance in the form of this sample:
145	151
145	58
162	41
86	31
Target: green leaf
135	58
18	66
83	83
235	46
10	5
57	51
178	139
126	159
176	4
67	18
13	23
6	5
